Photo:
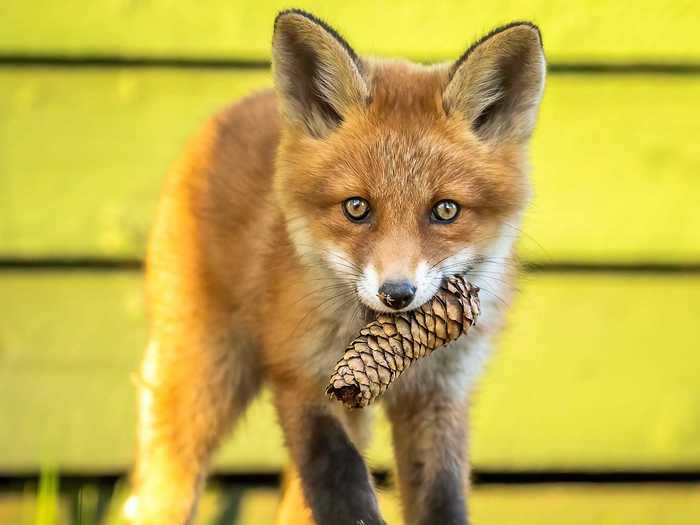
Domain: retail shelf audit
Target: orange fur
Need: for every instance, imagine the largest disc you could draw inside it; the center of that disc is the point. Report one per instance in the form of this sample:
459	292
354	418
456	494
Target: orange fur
252	264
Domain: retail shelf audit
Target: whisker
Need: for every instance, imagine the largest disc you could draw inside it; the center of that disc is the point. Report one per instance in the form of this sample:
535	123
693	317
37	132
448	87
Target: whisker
316	308
526	234
499	298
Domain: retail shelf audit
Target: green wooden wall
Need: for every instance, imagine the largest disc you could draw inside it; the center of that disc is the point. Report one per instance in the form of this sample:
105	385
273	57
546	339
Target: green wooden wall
598	369
592	31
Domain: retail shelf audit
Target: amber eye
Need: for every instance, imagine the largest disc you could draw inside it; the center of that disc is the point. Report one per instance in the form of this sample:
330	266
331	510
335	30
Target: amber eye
445	211
356	209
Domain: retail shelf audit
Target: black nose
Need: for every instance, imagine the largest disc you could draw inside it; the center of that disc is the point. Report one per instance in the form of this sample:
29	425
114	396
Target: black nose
397	294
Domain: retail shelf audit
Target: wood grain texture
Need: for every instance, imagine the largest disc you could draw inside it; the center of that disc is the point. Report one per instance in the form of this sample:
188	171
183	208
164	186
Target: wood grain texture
579	31
537	505
595	372
83	153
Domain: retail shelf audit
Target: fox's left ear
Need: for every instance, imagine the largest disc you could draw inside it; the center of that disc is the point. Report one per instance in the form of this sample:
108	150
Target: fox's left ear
498	83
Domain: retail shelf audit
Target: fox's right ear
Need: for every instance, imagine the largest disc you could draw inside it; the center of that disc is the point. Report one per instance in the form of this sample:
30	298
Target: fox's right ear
318	77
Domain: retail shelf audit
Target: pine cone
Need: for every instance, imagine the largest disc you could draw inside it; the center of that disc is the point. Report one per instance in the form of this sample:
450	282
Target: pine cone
387	346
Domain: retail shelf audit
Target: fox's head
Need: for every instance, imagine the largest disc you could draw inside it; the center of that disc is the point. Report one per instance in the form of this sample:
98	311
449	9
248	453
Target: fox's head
393	175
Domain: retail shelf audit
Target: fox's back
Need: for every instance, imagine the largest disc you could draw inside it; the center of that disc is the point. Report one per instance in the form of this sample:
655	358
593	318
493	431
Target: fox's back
217	206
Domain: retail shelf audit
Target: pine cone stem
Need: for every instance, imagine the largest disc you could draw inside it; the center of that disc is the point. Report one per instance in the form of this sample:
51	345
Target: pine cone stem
390	344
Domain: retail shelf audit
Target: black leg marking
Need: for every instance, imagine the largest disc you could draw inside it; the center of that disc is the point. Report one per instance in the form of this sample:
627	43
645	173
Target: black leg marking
445	502
335	480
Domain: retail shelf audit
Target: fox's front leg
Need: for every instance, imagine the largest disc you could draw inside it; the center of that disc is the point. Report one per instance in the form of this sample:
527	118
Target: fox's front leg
429	433
335	482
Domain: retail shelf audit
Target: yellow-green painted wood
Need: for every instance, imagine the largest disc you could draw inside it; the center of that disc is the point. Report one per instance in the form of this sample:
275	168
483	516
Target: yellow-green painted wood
577	505
534	505
83	153
578	31
595	372
594	363
572	505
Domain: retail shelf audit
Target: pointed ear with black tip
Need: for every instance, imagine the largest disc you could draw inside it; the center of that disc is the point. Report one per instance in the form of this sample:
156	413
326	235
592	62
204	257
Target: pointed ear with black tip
498	83
318	77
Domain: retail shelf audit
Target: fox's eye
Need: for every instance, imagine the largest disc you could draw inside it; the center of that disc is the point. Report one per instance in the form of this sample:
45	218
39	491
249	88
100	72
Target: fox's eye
356	209
445	211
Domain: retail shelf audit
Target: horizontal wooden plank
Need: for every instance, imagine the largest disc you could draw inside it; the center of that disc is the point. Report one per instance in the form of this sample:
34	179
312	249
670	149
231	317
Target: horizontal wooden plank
601	369
580	31
540	505
576	505
83	152
595	372
106	139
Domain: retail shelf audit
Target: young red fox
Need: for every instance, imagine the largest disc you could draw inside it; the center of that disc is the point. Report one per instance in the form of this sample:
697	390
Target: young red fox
356	186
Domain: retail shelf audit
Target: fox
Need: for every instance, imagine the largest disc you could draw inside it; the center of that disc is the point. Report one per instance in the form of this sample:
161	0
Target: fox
353	187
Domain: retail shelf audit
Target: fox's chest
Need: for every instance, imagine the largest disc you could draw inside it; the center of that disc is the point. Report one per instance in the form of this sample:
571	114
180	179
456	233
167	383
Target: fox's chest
324	343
